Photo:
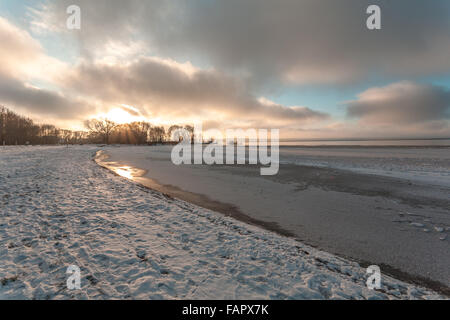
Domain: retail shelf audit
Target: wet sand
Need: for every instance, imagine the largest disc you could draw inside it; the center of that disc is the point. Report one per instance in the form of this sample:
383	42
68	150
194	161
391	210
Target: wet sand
371	219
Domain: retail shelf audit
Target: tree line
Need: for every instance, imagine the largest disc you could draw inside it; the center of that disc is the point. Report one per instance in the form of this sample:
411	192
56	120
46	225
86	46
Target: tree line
19	130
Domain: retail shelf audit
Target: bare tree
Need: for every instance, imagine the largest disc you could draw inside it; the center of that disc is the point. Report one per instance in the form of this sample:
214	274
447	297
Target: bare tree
66	136
2	125
140	131
16	129
101	127
48	134
171	131
157	134
190	129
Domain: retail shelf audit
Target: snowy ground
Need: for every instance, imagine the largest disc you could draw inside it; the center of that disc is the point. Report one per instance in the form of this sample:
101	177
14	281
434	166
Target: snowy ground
59	208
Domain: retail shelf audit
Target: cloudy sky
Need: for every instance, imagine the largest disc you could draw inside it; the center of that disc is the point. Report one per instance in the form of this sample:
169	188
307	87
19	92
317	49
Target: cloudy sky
308	67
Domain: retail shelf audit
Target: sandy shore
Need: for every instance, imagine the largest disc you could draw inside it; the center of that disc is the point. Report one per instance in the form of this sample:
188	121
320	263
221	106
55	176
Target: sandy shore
401	225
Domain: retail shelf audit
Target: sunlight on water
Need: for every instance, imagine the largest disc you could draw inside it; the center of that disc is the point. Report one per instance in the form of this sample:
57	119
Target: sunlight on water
122	170
125	171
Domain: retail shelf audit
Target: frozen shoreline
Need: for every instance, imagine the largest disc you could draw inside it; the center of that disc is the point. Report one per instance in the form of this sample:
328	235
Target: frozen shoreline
60	208
401	224
430	165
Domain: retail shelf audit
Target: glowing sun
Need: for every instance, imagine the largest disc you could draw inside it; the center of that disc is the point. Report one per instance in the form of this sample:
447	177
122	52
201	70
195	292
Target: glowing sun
123	114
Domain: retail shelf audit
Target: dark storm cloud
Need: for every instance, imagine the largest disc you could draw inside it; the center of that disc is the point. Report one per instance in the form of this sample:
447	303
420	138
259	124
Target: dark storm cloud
401	103
303	42
15	94
246	48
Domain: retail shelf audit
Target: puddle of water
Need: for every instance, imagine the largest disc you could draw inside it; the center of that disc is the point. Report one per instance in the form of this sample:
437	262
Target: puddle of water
122	170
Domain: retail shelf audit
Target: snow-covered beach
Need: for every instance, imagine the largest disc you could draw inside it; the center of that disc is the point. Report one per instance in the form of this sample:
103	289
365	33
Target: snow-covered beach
59	208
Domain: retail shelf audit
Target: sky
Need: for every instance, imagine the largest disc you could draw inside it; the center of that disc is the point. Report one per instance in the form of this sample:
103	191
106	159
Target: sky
310	68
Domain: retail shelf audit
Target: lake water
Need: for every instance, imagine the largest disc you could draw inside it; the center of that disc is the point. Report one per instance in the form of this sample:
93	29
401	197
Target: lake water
387	142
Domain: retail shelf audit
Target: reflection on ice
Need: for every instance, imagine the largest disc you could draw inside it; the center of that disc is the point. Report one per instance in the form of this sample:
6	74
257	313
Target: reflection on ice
124	172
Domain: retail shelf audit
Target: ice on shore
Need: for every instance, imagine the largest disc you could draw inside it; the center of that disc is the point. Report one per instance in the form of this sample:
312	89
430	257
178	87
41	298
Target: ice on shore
59	208
429	165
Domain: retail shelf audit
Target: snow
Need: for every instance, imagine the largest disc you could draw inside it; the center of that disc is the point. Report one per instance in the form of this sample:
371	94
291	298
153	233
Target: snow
59	208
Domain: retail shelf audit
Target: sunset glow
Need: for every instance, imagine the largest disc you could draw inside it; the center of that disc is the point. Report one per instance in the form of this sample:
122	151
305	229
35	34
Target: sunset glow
309	84
220	152
120	116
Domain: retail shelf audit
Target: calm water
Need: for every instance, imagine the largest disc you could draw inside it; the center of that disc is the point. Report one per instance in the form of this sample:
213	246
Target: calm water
409	142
